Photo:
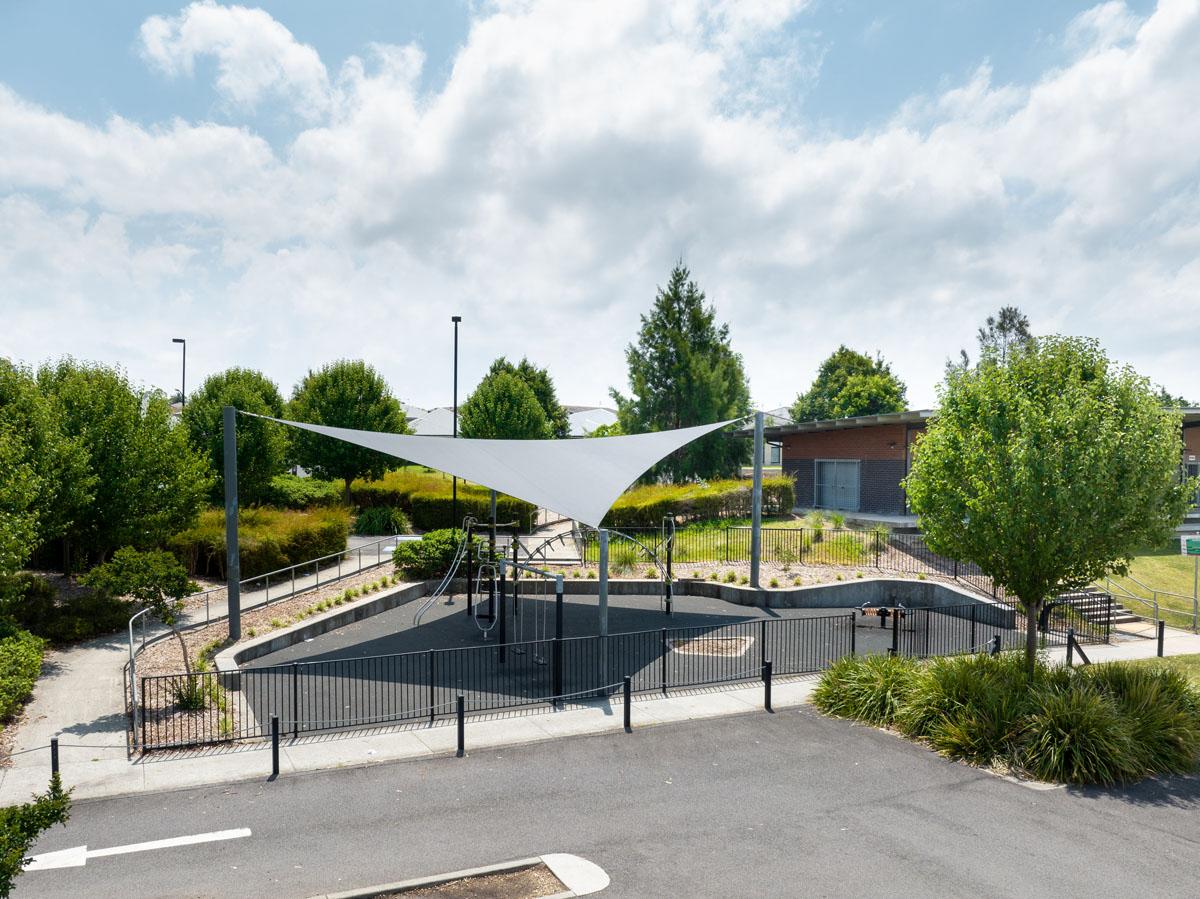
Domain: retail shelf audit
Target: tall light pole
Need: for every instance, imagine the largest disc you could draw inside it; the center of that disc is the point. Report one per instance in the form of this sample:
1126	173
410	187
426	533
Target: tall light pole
454	426
183	377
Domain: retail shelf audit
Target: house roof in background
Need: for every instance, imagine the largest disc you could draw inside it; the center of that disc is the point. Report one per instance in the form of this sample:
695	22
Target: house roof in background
912	416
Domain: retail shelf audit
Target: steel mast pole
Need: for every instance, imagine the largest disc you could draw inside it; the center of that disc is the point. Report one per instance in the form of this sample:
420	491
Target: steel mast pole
756	512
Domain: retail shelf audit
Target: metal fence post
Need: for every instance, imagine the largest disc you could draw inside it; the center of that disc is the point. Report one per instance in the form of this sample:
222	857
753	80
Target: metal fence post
895	631
628	684
767	685
274	746
996	645
974	608
663	663
432	687
1070	646
54	756
460	710
295	700
853	636
1162	632
143	692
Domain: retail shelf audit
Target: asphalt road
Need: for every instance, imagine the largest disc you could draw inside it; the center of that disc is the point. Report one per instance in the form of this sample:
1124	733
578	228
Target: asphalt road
785	805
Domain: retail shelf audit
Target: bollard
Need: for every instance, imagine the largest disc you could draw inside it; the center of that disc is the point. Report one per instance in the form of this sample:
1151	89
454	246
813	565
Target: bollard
996	645
460	710
274	746
628	703
1162	633
1070	646
54	756
767	685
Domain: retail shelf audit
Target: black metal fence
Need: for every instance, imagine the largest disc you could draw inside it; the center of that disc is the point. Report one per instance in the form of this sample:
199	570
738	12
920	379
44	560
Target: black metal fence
359	693
211	707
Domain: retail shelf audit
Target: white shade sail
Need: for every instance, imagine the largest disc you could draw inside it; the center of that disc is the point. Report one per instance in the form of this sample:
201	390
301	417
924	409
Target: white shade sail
580	479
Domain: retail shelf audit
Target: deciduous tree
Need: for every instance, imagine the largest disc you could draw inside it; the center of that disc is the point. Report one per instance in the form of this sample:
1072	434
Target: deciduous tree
503	407
1048	472
850	383
344	394
542	385
21	825
262	446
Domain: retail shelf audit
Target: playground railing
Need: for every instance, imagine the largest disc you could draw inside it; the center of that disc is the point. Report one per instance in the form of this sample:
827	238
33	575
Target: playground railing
357	693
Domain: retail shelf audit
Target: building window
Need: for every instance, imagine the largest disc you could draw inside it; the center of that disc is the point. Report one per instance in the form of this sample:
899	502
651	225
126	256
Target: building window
773	454
837	484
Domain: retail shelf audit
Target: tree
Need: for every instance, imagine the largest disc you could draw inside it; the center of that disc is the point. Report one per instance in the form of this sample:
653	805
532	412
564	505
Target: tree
542	385
1048	472
1001	335
21	825
262	446
149	482
58	463
344	394
19	489
609	430
1171	401
850	383
503	407
683	372
155	579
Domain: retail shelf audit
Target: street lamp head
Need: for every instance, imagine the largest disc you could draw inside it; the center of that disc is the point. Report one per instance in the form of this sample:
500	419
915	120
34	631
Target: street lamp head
178	340
456	318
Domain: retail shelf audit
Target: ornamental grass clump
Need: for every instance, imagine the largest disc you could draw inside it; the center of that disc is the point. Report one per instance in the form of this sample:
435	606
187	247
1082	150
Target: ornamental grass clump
872	689
1101	724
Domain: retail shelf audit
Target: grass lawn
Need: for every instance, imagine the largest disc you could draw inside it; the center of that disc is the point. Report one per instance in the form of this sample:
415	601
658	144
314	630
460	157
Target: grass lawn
1187	665
1166	570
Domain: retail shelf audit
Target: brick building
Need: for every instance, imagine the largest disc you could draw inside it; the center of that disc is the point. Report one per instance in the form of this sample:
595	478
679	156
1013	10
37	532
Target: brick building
856	465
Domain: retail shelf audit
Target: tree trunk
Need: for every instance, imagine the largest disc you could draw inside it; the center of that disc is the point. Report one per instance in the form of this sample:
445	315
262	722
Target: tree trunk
347	492
1033	611
187	662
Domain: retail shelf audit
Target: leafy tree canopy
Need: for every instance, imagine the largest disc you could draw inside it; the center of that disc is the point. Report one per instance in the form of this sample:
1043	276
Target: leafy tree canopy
344	394
503	407
65	485
1172	401
542	385
19	489
149	482
611	430
155	579
1049	471
683	372
21	825
262	446
850	383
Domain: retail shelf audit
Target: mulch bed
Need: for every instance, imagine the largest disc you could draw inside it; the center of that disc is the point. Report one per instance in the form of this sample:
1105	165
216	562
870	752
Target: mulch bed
525	883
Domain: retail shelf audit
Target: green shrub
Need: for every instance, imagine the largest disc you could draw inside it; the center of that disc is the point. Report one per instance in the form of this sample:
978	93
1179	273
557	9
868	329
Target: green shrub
269	539
646	505
20	665
382	520
289	491
428	557
30	602
968	707
774	582
427	499
838	520
868	688
731	577
1163	711
1077	736
190	693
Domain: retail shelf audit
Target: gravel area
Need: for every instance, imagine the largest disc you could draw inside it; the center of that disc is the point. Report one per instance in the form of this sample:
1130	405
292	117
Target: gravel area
526	883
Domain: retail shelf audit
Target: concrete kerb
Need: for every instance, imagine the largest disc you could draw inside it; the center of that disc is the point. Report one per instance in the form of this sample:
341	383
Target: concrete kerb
580	877
229	660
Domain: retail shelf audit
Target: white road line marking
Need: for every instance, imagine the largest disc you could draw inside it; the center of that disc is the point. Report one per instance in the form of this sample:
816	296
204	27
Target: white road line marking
77	856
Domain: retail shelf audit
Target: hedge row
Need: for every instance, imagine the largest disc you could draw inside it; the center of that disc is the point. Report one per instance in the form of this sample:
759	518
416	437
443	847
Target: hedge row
289	491
20	665
269	539
427	499
647	505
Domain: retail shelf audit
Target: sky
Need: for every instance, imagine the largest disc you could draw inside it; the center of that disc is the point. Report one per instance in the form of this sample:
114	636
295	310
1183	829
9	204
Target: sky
295	182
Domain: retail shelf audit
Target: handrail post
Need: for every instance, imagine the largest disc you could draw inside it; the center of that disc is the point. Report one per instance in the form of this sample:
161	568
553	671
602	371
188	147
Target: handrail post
1162	632
767	666
460	713
295	700
1070	646
628	686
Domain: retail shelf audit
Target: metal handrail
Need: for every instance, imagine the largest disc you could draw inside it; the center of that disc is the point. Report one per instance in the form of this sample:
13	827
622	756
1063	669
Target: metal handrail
1125	593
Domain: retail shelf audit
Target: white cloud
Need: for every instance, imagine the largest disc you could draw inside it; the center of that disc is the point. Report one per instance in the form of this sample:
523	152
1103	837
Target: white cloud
257	58
573	154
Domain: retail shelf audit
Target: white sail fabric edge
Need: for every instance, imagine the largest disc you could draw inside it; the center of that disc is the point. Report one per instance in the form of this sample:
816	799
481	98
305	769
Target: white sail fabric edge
578	478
